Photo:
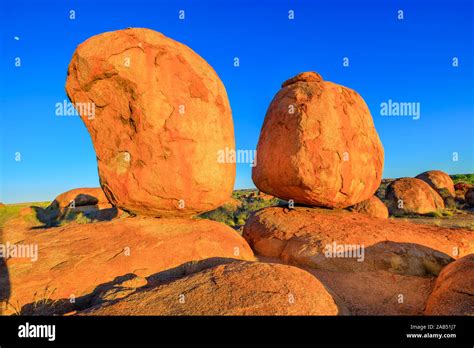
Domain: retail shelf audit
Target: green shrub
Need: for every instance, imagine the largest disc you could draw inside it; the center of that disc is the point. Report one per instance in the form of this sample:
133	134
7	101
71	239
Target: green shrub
466	178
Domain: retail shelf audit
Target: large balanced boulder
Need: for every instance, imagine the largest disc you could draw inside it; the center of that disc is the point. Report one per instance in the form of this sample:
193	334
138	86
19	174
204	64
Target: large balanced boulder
73	260
373	207
240	288
454	290
338	240
412	196
158	116
318	145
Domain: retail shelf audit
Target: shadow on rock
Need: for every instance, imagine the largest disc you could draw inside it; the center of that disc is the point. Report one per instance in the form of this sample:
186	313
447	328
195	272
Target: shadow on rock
5	288
119	288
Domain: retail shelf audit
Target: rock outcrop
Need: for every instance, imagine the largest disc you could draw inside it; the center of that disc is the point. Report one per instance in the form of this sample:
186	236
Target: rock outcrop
338	240
240	288
412	196
373	207
454	290
75	259
158	116
318	145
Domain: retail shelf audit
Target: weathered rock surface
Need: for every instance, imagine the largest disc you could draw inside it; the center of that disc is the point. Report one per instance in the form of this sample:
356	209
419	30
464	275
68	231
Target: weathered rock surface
80	197
378	292
338	240
74	260
161	116
412	196
239	288
373	207
454	290
438	180
318	145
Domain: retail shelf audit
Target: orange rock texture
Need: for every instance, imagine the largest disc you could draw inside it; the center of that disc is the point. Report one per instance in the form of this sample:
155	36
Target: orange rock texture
412	196
438	180
318	145
160	117
75	259
313	237
454	290
240	288
373	207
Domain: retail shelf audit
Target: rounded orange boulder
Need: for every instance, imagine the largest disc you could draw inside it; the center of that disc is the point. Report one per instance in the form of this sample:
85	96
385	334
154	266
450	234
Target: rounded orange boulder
453	293
412	196
373	207
318	145
438	180
158	116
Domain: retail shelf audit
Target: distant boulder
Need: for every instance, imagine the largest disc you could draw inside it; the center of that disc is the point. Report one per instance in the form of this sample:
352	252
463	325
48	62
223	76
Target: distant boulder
412	196
441	183
86	196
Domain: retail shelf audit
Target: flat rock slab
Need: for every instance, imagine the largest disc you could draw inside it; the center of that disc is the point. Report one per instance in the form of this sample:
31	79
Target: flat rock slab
239	288
315	237
74	260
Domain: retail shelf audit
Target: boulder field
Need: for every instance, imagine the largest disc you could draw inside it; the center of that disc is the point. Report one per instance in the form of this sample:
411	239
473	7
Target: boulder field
158	116
372	266
161	115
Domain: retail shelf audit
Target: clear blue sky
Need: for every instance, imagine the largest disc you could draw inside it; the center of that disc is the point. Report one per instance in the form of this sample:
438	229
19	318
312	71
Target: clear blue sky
408	60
